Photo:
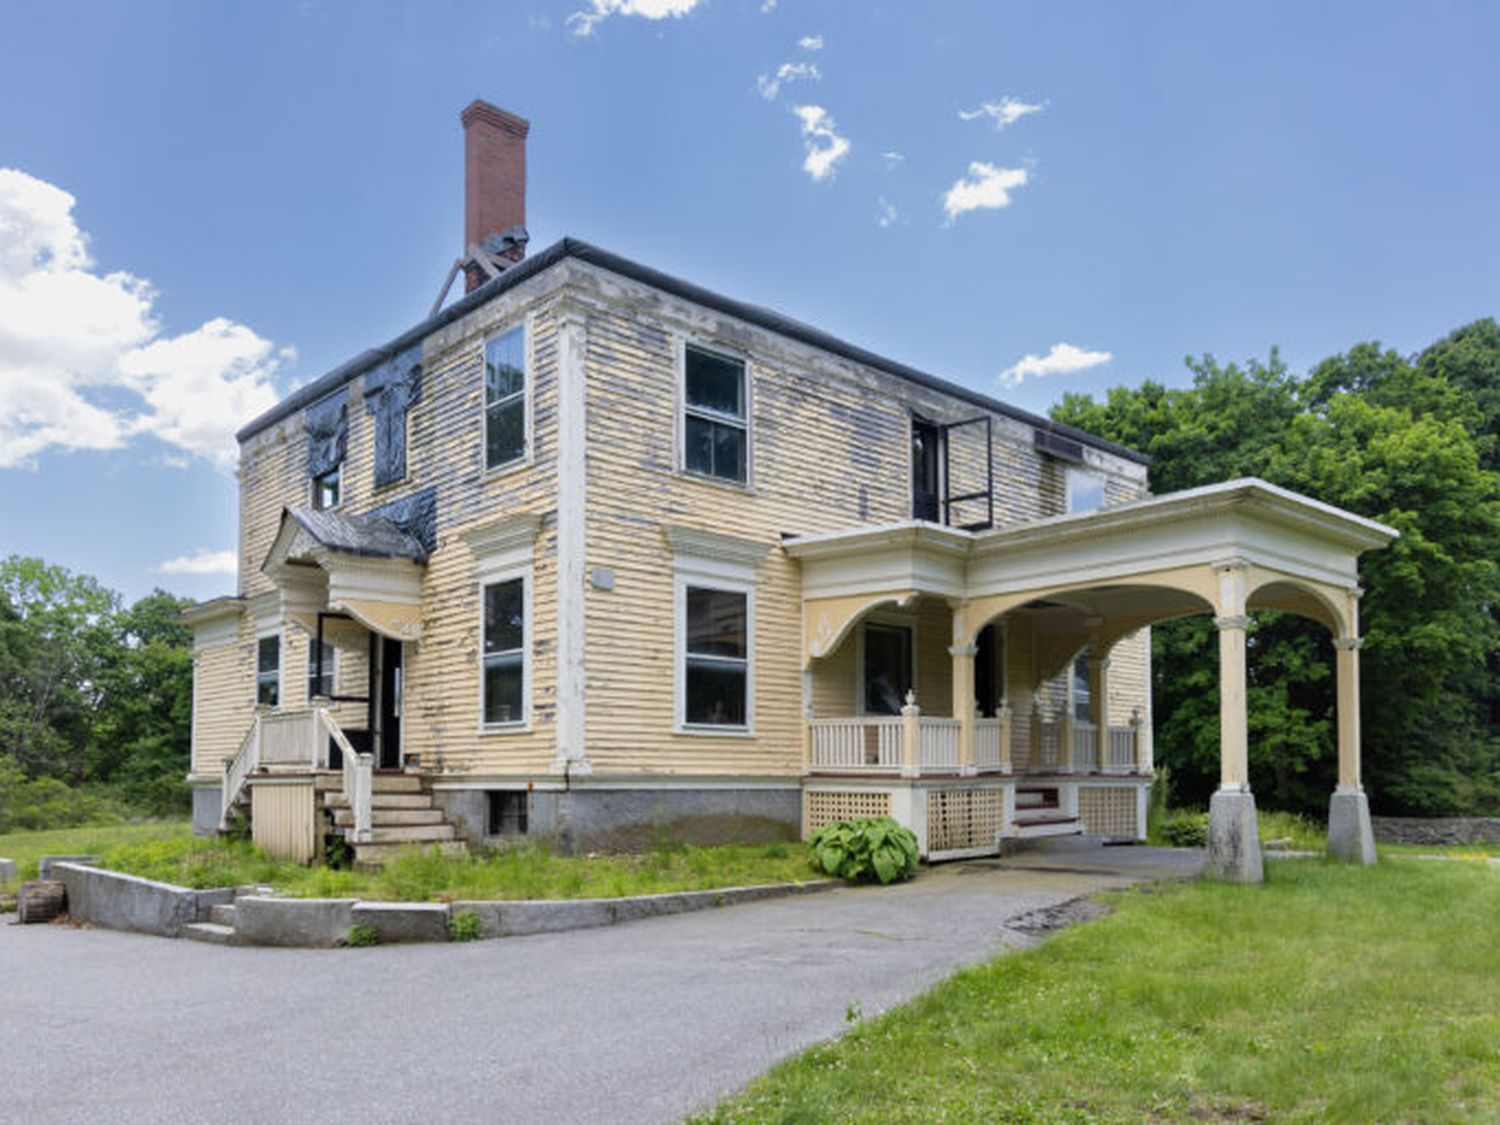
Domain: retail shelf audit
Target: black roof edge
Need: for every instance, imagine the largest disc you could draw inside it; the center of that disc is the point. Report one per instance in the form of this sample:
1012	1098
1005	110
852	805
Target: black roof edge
625	267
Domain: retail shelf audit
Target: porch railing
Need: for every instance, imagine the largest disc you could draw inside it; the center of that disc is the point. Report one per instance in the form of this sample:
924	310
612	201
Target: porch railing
237	771
871	744
359	780
1123	750
1085	746
937	744
987	734
299	740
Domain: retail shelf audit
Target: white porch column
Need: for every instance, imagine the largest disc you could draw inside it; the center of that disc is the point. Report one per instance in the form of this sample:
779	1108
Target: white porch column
963	704
911	736
1007	725
1099	693
1233	834
1350	835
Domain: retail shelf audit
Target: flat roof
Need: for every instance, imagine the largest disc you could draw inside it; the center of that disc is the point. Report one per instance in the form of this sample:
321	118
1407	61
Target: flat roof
753	314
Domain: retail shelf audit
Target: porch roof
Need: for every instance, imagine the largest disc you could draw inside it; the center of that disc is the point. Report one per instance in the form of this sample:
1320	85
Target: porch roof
1136	563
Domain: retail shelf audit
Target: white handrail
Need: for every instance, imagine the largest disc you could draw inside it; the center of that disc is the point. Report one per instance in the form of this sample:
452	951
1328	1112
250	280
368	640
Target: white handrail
359	778
1085	745
987	745
1121	749
938	740
237	771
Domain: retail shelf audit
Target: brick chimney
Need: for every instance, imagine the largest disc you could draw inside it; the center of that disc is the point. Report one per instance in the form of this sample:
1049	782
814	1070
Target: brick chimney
494	184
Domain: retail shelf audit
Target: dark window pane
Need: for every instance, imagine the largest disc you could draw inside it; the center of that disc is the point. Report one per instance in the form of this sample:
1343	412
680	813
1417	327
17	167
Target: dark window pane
268	655
715	693
716	621
502	688
319	668
715	382
1082	711
268	691
729	452
887	668
504	616
505	433
326	490
698	446
505	365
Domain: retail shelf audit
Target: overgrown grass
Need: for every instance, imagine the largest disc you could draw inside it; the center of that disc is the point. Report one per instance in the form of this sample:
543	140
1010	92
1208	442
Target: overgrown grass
28	847
1331	993
1167	828
173	855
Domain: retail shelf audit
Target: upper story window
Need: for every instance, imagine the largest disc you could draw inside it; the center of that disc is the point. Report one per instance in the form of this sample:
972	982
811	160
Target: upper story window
327	490
505	399
503	681
715	429
716	657
268	670
1085	491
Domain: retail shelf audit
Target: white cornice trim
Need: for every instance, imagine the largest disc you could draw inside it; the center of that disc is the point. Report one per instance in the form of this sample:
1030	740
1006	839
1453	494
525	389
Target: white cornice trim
504	535
698	543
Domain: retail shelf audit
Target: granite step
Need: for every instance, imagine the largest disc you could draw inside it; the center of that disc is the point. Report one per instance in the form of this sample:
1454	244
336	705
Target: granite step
211	932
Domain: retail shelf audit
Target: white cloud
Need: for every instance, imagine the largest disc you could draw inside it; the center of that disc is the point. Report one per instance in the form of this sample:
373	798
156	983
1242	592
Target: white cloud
582	23
83	361
892	158
1007	111
986	186
768	5
887	212
202	561
1063	359
770	85
811	42
825	148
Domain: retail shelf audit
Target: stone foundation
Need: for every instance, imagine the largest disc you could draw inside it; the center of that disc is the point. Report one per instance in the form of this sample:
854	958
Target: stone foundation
1233	838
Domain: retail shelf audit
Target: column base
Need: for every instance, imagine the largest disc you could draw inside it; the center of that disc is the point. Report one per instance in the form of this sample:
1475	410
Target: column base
1233	838
1350	836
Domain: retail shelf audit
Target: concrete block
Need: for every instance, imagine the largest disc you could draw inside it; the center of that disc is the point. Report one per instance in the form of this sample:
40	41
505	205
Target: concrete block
1233	838
44	865
7	870
126	902
528	917
404	921
488	912
1350	835
318	922
207	807
205	901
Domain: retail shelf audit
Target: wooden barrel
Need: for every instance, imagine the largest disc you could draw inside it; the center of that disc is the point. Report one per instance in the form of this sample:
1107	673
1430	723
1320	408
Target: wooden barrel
41	901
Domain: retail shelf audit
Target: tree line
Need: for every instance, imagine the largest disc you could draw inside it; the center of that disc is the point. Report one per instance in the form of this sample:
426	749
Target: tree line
1407	440
95	699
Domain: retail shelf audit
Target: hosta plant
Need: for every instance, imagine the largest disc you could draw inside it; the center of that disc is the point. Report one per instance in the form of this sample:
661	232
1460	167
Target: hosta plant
865	850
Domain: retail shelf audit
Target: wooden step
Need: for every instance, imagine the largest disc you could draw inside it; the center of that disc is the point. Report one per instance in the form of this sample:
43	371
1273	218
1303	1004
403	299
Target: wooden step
396	783
390	818
415	834
382	801
210	932
1031	827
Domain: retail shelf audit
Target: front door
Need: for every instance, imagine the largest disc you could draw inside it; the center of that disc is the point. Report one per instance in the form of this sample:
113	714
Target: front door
926	452
888	668
388	709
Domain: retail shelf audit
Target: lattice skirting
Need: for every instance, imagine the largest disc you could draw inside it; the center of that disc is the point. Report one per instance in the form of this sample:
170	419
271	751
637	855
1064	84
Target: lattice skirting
1108	810
824	806
963	818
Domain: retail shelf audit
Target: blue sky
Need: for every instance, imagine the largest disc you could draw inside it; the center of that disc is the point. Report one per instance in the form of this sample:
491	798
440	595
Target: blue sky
259	191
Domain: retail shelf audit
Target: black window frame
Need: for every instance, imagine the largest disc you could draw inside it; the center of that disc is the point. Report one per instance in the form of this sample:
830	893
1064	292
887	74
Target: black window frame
509	812
715	419
323	483
704	660
263	677
322	669
516	399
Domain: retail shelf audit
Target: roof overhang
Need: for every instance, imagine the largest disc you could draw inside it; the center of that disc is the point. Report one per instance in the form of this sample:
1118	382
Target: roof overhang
382	592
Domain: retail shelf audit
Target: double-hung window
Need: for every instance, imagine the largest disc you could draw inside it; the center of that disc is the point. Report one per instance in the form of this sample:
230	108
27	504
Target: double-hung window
503	680
505	399
320	668
268	670
715	427
716	657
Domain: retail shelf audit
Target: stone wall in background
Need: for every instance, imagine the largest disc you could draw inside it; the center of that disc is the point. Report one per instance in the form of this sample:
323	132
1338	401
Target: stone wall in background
1437	829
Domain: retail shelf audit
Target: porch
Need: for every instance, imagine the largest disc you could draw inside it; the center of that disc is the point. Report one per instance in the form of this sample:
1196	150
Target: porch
1020	689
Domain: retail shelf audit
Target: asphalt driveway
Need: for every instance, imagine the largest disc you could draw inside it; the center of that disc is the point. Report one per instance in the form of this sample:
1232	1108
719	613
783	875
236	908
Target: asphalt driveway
643	1022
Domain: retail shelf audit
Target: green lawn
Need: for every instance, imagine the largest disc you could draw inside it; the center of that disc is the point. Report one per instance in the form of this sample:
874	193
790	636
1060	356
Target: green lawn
172	854
1331	993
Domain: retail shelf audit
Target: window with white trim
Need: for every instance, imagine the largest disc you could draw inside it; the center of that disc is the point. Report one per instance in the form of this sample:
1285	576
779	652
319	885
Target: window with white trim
715	429
503	677
1085	491
327	490
505	399
716	657
268	670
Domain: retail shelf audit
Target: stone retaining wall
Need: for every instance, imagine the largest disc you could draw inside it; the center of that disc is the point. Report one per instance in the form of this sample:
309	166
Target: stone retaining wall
127	902
1437	829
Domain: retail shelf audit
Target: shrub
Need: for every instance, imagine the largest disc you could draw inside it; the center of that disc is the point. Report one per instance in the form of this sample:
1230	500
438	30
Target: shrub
362	935
465	926
864	850
1184	830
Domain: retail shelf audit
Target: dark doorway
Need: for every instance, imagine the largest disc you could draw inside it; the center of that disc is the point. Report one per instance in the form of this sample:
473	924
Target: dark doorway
888	668
989	671
926	456
387	706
